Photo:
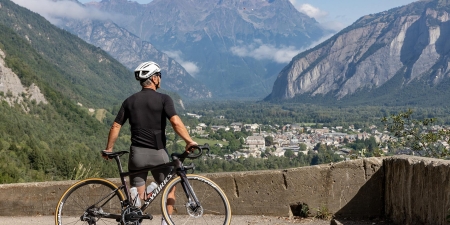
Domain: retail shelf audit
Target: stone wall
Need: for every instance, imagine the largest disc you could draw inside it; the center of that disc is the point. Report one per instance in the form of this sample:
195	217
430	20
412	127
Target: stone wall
342	188
417	190
408	190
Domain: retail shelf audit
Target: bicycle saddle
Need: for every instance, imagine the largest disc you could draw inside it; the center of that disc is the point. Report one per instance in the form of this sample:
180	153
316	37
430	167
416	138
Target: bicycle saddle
112	155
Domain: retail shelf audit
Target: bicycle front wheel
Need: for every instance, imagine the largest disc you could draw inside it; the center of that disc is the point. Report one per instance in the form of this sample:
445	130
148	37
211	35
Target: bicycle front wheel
214	207
90	201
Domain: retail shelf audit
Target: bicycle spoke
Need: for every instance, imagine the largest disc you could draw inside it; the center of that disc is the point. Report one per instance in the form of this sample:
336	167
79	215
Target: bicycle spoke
213	209
85	198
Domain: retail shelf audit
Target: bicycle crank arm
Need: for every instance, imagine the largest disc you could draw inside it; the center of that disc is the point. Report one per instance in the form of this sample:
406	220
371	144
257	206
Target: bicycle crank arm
138	217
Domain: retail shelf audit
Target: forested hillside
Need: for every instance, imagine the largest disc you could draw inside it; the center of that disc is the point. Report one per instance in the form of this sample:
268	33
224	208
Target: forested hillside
58	140
50	141
87	74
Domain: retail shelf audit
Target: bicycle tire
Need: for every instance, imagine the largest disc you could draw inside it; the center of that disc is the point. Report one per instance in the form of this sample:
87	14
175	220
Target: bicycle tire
215	205
74	203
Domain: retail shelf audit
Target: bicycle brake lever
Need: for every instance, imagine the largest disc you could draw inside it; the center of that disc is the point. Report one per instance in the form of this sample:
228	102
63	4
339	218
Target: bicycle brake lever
190	167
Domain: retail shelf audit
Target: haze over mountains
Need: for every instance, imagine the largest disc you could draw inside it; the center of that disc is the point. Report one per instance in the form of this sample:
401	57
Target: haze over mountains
130	50
235	48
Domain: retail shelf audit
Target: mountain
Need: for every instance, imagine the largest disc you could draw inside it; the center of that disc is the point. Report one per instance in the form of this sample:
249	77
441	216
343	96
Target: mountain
52	88
396	57
130	50
44	135
234	47
82	72
48	78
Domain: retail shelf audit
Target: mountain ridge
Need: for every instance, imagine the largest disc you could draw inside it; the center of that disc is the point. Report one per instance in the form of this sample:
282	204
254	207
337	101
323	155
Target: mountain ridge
406	40
130	50
223	39
84	68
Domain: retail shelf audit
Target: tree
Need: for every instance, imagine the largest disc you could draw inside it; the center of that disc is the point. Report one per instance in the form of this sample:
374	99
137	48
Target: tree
268	140
234	145
288	153
417	135
302	147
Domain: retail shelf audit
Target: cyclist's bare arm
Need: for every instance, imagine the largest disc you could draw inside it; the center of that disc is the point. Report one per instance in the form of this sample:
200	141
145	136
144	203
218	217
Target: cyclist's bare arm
112	137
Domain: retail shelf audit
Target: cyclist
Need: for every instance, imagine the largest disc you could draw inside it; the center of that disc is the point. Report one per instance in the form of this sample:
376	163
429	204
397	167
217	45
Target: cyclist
146	112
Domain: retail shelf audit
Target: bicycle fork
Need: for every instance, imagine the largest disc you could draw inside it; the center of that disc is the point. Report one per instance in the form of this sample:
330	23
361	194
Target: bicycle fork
193	205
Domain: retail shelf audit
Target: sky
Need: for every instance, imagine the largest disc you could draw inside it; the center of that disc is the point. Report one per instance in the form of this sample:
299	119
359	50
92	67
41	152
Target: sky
333	14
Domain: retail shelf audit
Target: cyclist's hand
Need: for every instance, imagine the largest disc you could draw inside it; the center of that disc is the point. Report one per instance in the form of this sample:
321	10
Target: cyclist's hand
189	146
105	156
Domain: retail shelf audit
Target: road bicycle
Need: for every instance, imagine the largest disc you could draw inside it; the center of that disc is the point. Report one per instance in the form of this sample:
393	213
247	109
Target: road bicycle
99	201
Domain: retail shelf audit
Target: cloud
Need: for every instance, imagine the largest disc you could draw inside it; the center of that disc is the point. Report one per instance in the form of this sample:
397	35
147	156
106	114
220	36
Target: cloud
190	67
53	11
333	25
260	51
321	16
309	10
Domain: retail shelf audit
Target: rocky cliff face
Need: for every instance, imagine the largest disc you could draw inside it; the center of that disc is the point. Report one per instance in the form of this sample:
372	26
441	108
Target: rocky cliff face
130	50
409	43
12	90
231	44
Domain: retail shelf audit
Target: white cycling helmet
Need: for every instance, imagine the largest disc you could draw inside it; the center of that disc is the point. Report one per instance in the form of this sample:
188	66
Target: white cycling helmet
146	70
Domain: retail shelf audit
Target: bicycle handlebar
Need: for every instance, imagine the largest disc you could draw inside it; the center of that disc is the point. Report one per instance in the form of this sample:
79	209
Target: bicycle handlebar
183	155
192	155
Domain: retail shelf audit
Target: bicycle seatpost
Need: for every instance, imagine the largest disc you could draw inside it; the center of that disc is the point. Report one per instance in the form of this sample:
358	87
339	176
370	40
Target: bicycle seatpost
115	156
119	164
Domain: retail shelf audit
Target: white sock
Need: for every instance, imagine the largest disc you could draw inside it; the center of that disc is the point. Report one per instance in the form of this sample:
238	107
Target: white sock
163	221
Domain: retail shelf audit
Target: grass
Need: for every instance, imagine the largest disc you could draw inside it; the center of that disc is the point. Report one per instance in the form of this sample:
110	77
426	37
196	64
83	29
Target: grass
100	114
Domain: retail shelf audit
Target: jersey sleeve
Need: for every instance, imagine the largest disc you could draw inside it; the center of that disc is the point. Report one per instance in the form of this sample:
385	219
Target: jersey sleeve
122	116
169	107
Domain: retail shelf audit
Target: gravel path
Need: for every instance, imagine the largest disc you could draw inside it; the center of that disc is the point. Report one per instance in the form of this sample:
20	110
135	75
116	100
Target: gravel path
244	220
237	219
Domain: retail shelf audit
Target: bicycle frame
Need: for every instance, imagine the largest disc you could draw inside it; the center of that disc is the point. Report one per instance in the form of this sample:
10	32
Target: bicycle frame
106	200
177	169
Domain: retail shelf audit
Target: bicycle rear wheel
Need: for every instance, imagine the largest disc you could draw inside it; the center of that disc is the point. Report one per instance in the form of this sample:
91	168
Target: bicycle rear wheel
89	201
214	209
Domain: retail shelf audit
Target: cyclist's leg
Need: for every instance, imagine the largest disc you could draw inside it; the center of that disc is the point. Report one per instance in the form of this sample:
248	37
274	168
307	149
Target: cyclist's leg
146	157
170	204
171	201
138	181
160	174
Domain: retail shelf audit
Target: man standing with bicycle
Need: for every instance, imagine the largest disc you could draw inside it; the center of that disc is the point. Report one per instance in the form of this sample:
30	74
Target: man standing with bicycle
146	112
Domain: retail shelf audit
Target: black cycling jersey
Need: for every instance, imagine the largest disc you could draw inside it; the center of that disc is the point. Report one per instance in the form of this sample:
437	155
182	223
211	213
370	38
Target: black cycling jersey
147	111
